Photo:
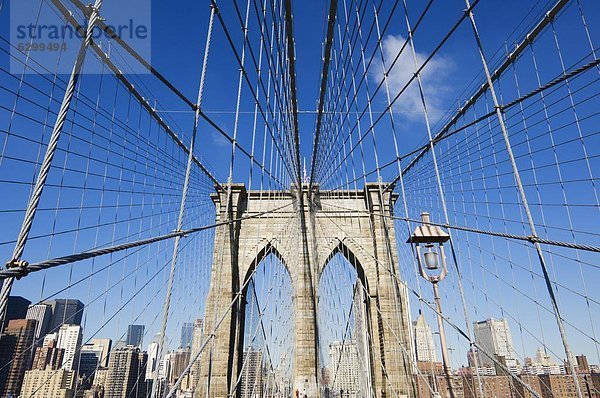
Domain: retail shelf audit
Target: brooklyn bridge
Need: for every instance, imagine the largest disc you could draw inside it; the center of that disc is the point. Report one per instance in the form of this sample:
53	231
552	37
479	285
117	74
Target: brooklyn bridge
269	198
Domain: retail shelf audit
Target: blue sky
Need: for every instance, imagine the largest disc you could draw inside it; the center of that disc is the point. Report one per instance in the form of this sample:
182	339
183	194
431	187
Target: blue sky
178	32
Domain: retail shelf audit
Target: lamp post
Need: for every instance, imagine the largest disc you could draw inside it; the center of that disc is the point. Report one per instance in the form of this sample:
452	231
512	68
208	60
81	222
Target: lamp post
432	238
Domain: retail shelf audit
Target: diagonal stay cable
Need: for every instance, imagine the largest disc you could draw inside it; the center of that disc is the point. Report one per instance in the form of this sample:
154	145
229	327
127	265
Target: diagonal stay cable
460	331
30	268
105	58
531	239
239	295
119	75
449	133
226	30
293	89
324	77
510	59
413	77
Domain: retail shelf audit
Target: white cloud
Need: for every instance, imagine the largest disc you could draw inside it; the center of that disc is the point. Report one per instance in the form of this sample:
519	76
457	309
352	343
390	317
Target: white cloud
218	140
434	77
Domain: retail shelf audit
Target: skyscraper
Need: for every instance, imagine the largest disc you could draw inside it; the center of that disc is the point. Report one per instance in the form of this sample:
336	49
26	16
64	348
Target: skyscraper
69	311
582	363
343	365
15	354
187	332
251	383
126	373
16	308
48	383
197	340
197	335
135	335
424	344
69	339
93	355
152	366
42	313
494	337
48	356
180	359
360	336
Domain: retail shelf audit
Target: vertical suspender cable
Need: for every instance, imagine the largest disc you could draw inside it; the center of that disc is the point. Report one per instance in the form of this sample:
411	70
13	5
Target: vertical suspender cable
16	260
184	193
523	196
442	197
324	75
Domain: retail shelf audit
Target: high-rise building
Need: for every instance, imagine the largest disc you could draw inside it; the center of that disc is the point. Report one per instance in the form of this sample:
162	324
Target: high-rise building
135	335
343	366
427	381
65	311
120	344
197	336
16	308
180	359
69	339
532	382
563	386
197	340
542	357
424	344
15	354
494	337
93	355
164	369
187	333
361	337
48	383
42	313
48	356
126	373
492	386
49	338
582	363
325	377
100	378
542	364
141	388
251	383
152	367
104	345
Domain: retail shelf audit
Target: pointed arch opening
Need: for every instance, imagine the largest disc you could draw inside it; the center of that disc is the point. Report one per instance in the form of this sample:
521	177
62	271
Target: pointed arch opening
343	333
266	339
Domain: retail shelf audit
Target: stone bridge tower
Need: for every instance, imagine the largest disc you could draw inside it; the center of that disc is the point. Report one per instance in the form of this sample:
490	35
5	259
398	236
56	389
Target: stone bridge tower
353	223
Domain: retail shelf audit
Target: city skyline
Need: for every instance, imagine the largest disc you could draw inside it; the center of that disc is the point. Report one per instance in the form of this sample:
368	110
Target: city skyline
65	351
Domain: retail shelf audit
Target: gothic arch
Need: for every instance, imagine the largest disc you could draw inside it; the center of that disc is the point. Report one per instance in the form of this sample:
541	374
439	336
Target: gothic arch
348	250
267	249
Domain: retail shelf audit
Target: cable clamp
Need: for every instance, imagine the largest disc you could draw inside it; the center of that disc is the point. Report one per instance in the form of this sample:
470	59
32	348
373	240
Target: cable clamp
91	9
21	265
179	233
533	239
16	264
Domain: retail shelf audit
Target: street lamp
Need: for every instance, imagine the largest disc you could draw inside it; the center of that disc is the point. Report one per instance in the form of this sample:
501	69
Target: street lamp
432	239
